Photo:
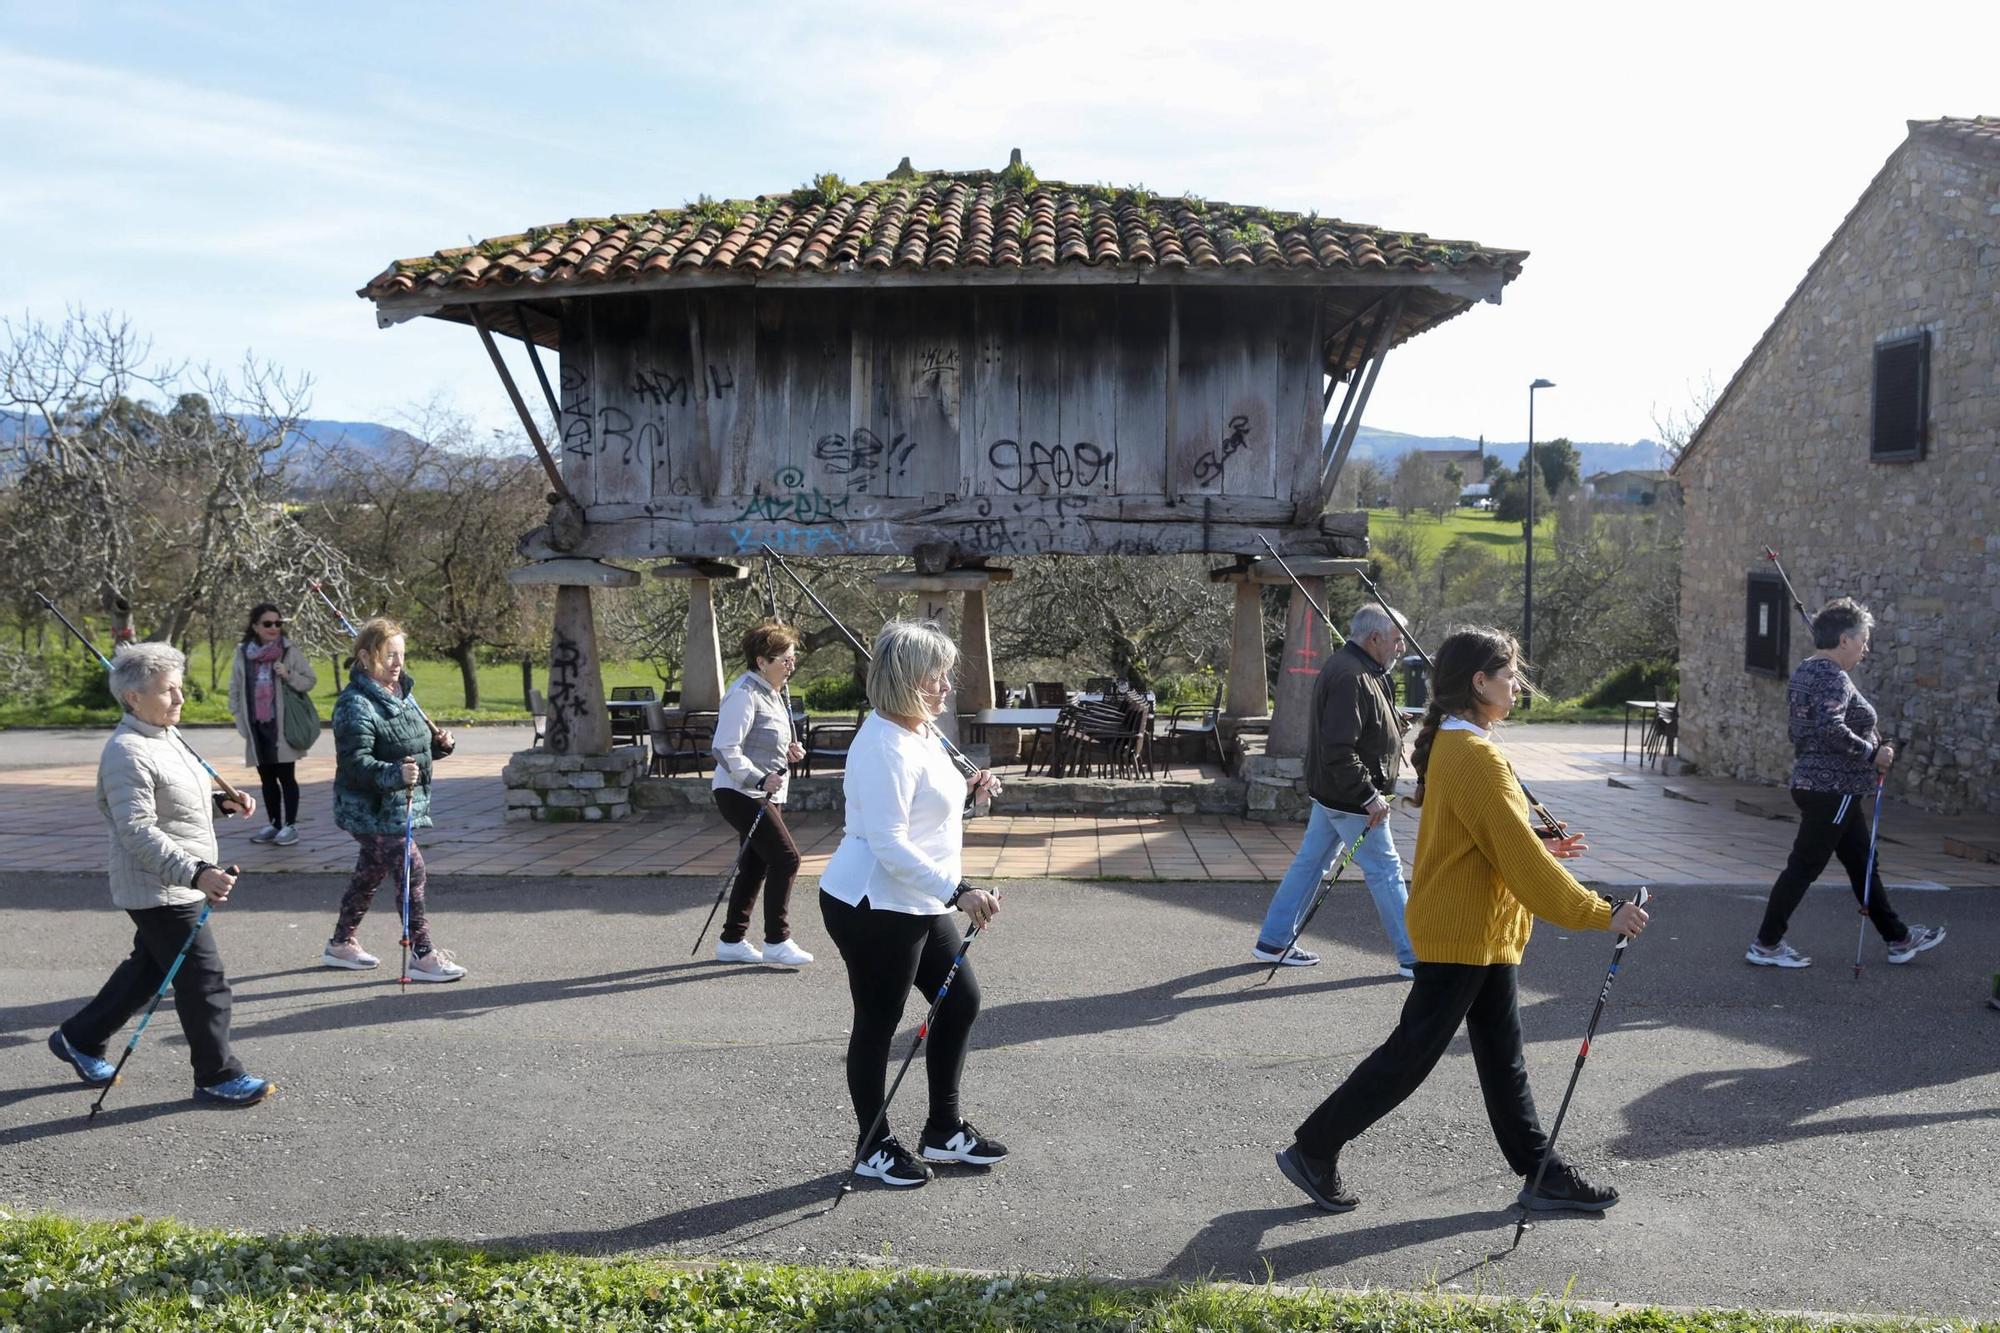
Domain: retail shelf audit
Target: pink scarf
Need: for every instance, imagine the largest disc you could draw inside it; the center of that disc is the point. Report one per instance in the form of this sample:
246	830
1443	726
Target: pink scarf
264	697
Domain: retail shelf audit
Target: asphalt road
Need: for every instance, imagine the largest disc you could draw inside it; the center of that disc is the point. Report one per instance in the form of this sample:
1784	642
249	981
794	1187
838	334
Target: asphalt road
1795	1140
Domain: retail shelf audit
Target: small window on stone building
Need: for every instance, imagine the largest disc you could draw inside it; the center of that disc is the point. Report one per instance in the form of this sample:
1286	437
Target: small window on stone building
1902	399
1766	630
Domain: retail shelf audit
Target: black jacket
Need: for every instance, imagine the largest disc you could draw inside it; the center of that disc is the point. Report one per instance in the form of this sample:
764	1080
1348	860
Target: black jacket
1355	747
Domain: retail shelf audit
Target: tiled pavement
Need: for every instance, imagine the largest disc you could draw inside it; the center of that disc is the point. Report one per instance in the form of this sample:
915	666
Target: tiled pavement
1637	834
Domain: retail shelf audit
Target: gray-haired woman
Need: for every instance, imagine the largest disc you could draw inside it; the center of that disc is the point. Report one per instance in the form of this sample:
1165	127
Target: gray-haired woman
1841	756
157	800
887	894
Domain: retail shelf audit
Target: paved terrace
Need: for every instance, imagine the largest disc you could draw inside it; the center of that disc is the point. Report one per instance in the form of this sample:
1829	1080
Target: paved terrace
1651	830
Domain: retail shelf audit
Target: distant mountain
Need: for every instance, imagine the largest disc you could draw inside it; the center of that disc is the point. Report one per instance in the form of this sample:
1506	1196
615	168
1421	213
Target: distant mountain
367	437
1386	446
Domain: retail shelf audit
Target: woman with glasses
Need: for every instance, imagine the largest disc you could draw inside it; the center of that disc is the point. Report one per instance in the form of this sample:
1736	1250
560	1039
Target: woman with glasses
753	745
266	664
887	895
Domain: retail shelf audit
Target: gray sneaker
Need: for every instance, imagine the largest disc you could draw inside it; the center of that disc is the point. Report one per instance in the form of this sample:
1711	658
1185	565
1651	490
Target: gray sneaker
1780	954
287	835
1919	939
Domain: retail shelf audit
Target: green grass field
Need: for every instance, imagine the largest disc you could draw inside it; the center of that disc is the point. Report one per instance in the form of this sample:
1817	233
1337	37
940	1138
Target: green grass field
440	688
1503	539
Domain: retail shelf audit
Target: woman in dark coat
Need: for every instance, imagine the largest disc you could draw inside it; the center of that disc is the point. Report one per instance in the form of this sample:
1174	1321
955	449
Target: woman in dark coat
382	785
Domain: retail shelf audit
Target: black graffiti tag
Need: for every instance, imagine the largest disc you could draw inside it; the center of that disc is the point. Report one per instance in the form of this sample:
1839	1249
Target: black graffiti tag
1060	466
1209	466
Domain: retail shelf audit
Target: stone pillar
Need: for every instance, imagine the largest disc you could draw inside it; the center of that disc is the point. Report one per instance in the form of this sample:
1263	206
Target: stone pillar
577	775
1307	641
578	721
975	680
701	663
1248	689
975	646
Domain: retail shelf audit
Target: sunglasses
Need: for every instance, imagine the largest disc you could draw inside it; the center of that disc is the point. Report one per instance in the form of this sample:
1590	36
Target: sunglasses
270	624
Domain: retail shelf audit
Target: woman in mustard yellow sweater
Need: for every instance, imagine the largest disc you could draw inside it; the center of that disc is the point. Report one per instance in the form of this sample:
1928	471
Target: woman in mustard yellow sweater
1482	875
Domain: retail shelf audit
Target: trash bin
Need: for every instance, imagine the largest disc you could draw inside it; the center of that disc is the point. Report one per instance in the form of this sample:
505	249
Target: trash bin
1416	688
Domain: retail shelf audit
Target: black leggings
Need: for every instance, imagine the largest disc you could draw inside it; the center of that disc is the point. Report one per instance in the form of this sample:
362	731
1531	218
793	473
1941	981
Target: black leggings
1444	995
1830	825
281	781
201	992
771	862
887	954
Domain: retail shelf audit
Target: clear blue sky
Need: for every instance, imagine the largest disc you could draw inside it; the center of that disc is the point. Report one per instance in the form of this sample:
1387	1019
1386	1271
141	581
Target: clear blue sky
228	174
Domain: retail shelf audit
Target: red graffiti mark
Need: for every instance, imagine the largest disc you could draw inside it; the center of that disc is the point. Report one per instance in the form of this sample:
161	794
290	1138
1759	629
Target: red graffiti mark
1307	653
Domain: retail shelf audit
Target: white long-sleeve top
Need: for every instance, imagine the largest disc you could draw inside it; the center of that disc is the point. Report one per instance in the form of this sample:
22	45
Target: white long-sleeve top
752	730
901	847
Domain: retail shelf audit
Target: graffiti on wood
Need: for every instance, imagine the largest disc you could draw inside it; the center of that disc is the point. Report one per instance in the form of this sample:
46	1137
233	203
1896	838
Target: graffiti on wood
1063	467
1209	467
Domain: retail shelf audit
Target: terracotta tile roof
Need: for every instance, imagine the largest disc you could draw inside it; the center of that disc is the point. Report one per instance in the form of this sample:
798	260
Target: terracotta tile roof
946	224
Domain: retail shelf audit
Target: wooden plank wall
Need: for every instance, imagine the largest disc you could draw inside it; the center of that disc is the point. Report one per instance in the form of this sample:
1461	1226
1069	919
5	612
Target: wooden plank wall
1008	420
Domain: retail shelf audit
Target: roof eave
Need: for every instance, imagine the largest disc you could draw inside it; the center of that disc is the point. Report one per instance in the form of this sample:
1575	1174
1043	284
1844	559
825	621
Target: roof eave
1472	284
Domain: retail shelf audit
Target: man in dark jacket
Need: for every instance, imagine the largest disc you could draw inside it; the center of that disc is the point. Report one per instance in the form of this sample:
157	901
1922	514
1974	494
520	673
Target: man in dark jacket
1353	753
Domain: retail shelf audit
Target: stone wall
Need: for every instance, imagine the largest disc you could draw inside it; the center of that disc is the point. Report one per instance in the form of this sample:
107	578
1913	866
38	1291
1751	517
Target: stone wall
1783	461
570	788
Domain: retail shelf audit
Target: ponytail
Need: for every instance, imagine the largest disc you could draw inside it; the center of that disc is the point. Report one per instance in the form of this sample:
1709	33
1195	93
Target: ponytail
1420	751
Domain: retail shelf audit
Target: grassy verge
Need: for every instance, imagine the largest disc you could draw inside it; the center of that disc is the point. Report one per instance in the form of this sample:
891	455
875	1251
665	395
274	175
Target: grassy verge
57	1274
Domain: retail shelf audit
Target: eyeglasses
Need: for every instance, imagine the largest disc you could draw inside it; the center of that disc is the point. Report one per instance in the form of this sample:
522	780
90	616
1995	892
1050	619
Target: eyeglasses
270	624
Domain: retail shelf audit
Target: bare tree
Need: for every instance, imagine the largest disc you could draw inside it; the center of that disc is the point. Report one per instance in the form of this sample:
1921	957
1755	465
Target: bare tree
156	491
1677	425
1131	617
433	520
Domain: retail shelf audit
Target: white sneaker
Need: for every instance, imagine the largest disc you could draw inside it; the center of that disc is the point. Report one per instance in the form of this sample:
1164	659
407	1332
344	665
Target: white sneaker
266	834
286	836
1406	972
787	953
435	966
742	951
350	956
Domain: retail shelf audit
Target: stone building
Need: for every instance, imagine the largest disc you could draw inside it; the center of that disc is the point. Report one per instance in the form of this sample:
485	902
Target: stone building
1861	439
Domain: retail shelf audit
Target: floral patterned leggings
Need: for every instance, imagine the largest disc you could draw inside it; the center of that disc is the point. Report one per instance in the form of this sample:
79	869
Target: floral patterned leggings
382	858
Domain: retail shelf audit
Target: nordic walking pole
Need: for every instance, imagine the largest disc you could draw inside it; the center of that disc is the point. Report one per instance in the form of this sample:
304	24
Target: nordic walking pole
923	1030
1326	887
241	801
1868	879
1339	640
722	889
353	633
965	765
147	1017
1790	592
409	842
1583	1052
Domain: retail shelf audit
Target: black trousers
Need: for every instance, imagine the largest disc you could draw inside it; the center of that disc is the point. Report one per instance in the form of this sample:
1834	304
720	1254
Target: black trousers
1830	825
770	862
1443	996
201	993
887	955
280	781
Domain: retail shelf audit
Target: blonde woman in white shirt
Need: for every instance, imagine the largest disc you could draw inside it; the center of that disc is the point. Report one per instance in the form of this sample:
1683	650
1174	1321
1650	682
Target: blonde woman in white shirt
753	746
887	895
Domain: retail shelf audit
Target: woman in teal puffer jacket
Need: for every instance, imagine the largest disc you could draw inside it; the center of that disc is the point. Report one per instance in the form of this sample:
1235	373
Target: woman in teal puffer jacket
383	748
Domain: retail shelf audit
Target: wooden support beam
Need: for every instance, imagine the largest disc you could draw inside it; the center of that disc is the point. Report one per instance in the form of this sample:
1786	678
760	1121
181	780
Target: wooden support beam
521	408
1378	351
535	358
565	572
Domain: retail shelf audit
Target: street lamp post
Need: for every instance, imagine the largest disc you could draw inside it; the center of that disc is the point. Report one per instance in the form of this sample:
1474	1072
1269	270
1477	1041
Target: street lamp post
1528	470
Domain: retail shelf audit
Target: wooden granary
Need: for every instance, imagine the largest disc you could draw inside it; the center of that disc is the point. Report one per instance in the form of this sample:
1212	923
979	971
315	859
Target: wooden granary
957	367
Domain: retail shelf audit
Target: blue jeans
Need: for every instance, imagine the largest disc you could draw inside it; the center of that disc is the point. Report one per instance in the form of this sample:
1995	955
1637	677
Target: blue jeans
1327	835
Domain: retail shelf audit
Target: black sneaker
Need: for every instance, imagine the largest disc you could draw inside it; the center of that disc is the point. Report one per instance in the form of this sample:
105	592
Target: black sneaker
892	1164
964	1144
1565	1190
1319	1179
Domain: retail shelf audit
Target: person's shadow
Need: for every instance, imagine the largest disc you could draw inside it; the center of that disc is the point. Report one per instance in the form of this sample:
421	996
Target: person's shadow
1231	1246
701	1222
